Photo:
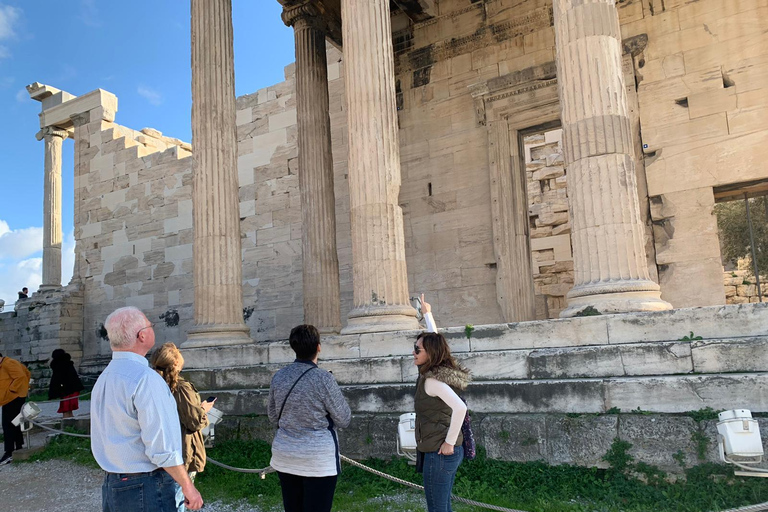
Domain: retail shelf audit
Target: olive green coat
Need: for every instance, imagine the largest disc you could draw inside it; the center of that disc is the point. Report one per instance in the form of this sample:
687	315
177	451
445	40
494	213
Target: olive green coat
433	416
193	419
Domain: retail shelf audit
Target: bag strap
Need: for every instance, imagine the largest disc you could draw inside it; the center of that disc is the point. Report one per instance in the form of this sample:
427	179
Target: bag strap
290	390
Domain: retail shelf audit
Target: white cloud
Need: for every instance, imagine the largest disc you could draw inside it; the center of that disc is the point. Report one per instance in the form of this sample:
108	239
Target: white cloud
151	95
22	96
8	17
15	276
18	272
19	243
89	14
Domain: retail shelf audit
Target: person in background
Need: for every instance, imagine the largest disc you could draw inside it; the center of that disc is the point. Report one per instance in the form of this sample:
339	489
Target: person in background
14	387
24	293
65	383
439	413
135	434
193	414
306	404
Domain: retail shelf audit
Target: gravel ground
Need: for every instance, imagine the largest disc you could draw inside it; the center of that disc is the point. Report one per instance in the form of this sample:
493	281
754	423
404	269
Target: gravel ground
68	487
72	488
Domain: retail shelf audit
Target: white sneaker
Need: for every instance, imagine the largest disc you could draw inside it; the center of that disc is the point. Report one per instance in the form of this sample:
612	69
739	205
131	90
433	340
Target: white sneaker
6	459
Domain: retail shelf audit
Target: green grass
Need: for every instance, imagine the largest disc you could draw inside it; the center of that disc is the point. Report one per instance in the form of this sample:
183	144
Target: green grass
75	449
532	486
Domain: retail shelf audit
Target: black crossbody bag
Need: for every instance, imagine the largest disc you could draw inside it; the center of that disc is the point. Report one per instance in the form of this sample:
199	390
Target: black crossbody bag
290	391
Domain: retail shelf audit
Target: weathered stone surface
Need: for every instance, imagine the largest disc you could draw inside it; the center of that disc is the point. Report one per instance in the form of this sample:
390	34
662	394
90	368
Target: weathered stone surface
521	437
656	439
730	355
580	441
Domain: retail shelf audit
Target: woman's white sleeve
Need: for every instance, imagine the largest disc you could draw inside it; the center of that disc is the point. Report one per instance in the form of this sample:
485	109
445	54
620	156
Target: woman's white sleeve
443	391
431	325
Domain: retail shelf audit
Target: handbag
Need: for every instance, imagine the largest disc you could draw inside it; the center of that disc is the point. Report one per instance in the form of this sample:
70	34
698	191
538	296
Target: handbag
291	390
468	444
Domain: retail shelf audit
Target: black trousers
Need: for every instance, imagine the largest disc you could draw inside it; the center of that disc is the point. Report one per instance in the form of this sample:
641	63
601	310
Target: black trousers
13	438
307	494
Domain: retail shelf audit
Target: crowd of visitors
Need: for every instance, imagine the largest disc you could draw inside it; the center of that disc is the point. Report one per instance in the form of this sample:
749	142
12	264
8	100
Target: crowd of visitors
147	420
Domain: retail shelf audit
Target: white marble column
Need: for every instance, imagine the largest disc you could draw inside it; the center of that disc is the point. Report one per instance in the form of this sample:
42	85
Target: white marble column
318	205
215	204
52	232
608	244
378	249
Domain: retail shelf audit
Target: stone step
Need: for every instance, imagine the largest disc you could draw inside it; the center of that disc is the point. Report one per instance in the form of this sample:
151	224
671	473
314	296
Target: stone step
636	359
709	323
661	394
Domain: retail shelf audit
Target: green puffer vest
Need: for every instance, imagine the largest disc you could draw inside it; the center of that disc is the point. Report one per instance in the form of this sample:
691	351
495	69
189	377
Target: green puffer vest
433	416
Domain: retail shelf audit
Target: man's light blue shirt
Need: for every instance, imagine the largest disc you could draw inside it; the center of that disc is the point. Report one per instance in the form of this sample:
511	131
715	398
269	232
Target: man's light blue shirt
134	422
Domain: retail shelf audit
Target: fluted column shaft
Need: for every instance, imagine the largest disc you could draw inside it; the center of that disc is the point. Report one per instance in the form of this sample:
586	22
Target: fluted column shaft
320	261
609	255
215	203
52	232
381	301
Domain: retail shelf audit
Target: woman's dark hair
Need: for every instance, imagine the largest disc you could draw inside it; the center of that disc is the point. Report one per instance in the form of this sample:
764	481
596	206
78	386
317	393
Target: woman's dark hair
60	355
304	340
438	352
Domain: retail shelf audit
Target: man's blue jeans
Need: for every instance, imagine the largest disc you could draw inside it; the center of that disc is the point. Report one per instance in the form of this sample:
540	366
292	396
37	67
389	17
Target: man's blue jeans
139	492
439	474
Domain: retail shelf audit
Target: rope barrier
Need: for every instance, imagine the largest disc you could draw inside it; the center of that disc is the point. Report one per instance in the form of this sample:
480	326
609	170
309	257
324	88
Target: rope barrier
56	430
421	487
263	472
61	399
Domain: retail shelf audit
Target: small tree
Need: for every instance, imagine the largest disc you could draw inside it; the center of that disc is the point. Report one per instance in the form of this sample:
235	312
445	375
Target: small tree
734	231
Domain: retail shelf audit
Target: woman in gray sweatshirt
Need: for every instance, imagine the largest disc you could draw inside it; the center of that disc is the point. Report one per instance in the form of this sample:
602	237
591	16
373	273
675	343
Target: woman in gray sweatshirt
306	404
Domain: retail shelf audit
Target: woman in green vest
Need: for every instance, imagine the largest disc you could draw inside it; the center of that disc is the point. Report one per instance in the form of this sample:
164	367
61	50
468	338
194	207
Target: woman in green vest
439	413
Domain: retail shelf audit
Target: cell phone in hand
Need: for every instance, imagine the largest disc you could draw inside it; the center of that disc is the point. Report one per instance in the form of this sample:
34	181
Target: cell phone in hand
210	399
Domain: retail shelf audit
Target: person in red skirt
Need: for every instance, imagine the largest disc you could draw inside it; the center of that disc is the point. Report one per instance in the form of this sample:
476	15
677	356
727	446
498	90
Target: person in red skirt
65	383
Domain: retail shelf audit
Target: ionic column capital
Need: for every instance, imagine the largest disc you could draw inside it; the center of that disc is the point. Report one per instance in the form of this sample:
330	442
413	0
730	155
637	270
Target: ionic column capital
52	131
302	15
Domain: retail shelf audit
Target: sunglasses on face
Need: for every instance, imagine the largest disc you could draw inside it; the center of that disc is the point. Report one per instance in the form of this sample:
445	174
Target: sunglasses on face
416	349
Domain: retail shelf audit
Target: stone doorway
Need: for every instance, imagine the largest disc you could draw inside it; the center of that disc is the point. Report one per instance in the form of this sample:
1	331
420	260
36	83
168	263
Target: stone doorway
548	217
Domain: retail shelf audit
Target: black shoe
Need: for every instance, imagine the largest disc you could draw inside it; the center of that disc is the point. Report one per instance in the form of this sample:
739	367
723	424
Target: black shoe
6	459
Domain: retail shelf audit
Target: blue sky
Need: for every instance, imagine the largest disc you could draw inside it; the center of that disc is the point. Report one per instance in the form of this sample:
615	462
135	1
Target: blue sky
138	50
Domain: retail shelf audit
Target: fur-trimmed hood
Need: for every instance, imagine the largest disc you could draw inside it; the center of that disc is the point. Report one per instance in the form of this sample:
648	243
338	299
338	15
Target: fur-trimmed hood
458	378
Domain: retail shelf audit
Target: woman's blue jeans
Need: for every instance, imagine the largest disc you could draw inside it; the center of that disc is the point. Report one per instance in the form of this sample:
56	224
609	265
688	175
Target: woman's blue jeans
439	474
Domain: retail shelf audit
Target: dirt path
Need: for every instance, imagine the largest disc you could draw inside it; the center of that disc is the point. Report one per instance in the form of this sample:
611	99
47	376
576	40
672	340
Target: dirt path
64	487
68	487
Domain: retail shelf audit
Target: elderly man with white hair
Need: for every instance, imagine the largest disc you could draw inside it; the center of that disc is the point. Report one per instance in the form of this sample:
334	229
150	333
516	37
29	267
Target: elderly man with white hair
135	434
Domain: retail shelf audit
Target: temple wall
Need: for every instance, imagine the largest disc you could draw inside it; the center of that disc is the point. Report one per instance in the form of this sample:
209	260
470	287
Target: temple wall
133	213
699	101
445	192
704	112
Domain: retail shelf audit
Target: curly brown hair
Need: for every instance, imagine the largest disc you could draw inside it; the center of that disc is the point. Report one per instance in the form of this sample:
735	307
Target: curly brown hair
438	352
168	361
